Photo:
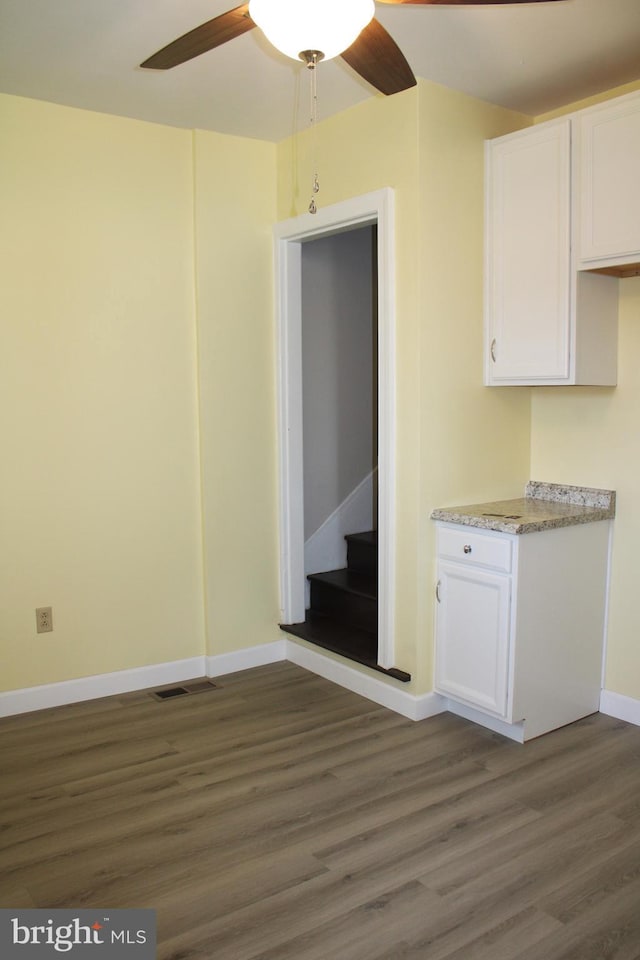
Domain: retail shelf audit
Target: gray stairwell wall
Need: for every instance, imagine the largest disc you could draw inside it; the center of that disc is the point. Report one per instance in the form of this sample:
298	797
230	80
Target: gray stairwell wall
338	358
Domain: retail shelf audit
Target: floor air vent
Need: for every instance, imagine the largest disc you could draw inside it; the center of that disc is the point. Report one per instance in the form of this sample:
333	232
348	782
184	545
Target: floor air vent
187	689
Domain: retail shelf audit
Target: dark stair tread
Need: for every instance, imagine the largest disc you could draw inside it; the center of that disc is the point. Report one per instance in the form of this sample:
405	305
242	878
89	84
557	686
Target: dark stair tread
349	581
356	645
366	537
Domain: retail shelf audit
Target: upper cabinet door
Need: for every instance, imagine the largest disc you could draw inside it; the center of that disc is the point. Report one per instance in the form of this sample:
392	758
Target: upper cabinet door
609	182
528	255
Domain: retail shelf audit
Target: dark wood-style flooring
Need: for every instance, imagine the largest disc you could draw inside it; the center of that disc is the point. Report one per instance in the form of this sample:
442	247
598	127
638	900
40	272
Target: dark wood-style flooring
280	817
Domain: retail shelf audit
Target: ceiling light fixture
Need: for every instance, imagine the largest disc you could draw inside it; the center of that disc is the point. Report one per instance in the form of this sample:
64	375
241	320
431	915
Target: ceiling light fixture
326	26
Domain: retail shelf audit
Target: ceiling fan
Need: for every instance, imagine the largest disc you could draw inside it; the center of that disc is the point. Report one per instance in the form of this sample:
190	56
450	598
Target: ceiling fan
312	30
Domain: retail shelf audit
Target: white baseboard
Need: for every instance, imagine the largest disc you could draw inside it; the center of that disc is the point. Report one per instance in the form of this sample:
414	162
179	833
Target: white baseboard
386	694
104	685
139	678
619	706
222	663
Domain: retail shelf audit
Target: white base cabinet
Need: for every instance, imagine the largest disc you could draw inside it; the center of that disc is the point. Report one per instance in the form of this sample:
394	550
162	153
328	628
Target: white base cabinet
520	623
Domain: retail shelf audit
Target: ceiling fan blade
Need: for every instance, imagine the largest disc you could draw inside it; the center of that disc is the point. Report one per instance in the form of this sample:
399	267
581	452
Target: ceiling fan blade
462	3
379	60
208	35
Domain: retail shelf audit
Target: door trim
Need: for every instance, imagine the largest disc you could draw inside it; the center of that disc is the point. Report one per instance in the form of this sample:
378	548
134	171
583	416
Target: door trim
372	208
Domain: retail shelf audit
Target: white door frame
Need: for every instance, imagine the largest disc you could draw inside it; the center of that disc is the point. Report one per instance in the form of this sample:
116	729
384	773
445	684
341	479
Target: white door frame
372	208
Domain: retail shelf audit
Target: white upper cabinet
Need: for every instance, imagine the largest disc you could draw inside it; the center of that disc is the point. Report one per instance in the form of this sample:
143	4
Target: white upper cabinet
609	184
528	248
548	320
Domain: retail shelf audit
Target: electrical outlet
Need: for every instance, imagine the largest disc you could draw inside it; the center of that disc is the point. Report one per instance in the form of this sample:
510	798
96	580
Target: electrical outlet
44	619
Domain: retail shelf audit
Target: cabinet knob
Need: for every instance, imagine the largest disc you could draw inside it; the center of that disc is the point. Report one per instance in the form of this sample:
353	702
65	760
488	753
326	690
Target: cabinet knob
467	548
493	349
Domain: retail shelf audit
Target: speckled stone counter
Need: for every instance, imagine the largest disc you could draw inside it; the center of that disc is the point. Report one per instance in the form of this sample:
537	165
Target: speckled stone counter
544	506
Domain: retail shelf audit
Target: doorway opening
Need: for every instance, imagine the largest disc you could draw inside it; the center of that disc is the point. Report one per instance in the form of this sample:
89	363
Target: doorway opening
340	443
335	305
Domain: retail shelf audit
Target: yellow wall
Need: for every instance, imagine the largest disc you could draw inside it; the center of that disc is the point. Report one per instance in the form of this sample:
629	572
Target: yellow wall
474	442
589	436
366	148
138	379
138	393
99	483
456	441
370	146
235	212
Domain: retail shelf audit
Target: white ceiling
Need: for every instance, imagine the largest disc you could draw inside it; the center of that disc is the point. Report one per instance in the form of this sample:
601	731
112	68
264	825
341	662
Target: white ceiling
85	53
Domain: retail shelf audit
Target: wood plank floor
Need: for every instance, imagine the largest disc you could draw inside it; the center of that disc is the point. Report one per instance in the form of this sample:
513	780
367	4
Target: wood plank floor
279	817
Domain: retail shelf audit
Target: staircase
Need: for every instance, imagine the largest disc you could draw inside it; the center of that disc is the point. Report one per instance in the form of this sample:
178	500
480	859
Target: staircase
343	616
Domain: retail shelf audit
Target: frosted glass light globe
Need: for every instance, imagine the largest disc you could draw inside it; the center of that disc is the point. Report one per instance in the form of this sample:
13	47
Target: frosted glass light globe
329	26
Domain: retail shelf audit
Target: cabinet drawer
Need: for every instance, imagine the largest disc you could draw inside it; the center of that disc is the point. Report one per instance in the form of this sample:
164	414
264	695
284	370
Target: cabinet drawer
467	545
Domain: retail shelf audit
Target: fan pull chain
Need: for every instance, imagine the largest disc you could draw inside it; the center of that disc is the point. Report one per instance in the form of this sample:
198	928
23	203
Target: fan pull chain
312	63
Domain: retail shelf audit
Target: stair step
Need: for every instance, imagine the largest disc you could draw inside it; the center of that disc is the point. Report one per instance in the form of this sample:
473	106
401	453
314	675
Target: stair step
349	581
367	537
356	645
362	552
347	597
350	642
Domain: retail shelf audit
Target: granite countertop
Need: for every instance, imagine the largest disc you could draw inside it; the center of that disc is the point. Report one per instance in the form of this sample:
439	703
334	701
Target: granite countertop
544	506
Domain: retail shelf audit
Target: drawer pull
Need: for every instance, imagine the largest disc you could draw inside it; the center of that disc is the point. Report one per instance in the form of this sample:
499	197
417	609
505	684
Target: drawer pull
467	548
438	591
